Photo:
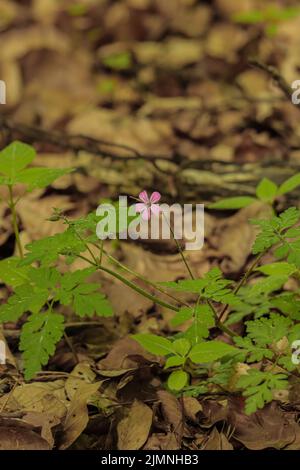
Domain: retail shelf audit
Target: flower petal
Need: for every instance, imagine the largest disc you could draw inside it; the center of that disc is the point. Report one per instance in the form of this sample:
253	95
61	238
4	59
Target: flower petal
146	213
140	207
155	197
155	209
143	196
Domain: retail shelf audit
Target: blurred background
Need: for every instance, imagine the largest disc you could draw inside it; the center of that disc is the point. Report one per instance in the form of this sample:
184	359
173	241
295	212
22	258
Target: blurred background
148	94
166	77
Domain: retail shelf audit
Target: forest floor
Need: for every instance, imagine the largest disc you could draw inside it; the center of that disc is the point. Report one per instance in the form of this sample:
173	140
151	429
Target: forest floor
171	80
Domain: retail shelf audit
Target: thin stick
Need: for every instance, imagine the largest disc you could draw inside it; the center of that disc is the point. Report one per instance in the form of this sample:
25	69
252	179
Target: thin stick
275	75
72	349
12	206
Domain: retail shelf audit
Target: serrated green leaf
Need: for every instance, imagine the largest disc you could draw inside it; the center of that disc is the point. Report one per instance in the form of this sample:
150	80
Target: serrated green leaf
273	231
265	331
232	203
282	251
155	344
87	303
72	279
11	273
268	284
253	352
210	351
287	303
258	386
39	337
25	298
177	380
47	250
212	286
204	319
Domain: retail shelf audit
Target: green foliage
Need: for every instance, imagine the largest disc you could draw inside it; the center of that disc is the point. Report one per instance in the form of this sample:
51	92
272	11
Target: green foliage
203	321
290	184
26	298
279	269
270	17
258	387
278	231
266	191
36	290
11	273
210	351
39	337
232	203
40	288
177	380
272	314
47	250
155	344
13	162
269	336
265	331
212	287
120	61
77	9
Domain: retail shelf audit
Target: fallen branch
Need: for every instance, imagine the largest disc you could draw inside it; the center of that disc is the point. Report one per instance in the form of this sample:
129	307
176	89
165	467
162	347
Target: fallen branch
275	75
77	143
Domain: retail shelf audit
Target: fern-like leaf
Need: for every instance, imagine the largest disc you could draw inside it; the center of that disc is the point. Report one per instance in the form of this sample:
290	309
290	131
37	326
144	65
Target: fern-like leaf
39	337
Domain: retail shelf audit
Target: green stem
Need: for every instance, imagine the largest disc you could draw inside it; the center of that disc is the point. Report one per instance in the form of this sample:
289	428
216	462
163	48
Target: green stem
144	279
180	250
139	290
195	318
101	251
131	285
12	206
242	281
219	324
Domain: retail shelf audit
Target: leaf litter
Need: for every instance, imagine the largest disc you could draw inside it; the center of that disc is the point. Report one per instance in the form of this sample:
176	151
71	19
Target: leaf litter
176	67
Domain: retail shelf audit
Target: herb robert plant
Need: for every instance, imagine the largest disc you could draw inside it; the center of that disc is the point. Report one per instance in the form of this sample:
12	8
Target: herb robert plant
194	362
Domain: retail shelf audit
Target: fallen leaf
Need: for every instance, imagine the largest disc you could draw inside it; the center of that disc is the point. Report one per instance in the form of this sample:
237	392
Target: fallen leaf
172	412
191	407
46	422
162	442
77	417
134	429
266	428
217	441
19	438
37	397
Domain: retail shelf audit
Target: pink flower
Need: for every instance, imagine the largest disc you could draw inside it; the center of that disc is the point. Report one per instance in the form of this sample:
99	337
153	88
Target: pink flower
148	205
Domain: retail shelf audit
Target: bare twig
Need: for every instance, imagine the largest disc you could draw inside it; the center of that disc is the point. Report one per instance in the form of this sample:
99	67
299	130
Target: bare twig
77	143
275	75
